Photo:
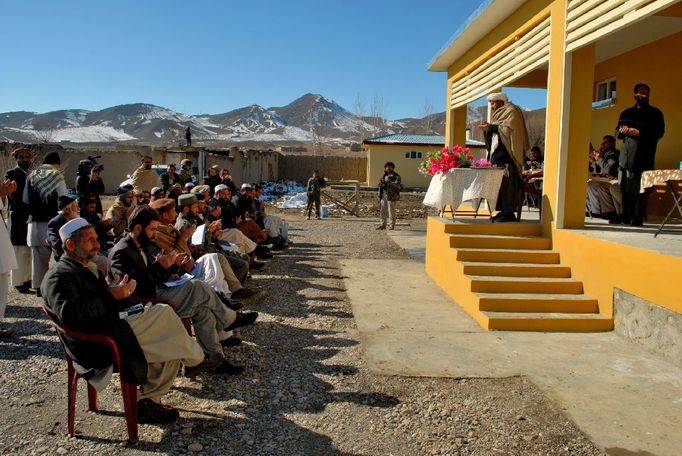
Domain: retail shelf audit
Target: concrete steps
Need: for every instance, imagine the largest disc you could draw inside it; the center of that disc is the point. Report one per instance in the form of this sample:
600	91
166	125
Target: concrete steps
508	278
537	302
481	268
508	255
548	322
502	284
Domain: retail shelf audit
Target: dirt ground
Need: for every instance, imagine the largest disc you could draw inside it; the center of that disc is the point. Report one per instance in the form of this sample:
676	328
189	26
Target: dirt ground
305	390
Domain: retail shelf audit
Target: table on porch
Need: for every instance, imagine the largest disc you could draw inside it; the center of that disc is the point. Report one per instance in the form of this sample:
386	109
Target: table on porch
464	184
670	177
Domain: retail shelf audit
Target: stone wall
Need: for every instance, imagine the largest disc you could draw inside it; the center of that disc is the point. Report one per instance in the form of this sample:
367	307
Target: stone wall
300	167
656	328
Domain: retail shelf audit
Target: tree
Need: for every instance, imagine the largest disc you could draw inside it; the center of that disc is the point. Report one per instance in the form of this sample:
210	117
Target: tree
377	112
427	115
44	130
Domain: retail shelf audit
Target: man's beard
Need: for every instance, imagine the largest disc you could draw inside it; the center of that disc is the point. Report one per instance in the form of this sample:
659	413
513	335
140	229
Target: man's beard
642	102
24	164
83	254
144	240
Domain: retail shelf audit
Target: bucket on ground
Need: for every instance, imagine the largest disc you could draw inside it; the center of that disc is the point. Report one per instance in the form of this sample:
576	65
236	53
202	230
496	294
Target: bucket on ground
324	212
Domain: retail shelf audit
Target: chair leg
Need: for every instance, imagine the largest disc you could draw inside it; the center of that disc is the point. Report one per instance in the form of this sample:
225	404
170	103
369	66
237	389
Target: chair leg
92	398
72	391
129	392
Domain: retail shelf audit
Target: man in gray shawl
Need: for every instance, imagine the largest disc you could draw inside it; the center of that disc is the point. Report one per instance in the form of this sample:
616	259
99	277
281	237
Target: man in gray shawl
43	187
506	139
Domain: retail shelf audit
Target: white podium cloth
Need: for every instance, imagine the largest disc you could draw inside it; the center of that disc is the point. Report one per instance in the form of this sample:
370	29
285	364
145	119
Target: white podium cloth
464	184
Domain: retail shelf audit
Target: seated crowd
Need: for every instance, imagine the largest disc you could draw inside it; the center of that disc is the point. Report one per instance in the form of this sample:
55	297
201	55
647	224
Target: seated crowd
192	246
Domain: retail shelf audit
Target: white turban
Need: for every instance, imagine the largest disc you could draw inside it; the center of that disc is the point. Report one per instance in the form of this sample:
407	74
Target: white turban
498	96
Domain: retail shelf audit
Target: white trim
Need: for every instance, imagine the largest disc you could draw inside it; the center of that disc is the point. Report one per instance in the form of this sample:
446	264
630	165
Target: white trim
529	52
590	21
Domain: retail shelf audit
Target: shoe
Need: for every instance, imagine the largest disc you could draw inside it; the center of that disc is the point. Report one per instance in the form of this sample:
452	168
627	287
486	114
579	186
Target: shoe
6	332
497	216
616	220
243	319
256	265
244	293
637	222
23	289
228	368
149	411
381	227
264	256
37	292
231	303
231	342
507	218
204	366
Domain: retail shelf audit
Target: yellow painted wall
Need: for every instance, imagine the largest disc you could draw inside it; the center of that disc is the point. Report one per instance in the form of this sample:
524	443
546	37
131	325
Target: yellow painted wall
378	154
656	64
604	265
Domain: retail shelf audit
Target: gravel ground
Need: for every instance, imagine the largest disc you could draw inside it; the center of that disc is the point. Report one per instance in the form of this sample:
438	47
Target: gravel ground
305	391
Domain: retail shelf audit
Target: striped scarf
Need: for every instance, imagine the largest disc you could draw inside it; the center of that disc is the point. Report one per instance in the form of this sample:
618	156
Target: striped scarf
45	180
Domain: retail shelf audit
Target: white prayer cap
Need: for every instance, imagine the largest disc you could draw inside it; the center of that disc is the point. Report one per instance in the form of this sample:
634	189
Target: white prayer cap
189	185
220	188
498	96
246	185
71	227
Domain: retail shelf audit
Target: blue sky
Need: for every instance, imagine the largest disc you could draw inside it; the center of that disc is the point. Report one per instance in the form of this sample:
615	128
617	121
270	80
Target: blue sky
214	56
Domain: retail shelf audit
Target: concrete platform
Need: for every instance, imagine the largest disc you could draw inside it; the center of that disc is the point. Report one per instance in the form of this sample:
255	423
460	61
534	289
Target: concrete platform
626	399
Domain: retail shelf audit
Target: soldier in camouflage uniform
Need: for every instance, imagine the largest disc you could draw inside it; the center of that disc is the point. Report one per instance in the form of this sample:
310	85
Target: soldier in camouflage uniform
389	193
315	185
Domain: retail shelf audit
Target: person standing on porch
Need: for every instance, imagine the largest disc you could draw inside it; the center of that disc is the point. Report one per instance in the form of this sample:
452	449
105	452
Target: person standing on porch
506	140
640	127
389	193
188	136
313	191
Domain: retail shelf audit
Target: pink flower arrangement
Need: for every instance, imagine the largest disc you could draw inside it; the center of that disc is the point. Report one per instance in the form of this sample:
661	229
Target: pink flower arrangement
482	163
444	160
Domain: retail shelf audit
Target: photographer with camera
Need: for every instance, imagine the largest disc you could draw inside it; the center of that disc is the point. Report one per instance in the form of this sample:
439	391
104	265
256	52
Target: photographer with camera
89	181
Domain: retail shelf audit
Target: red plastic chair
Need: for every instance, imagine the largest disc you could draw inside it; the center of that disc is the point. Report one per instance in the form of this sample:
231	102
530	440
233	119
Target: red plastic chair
128	390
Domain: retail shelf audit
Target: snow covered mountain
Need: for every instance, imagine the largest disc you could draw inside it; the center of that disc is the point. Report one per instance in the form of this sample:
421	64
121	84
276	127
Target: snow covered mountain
311	117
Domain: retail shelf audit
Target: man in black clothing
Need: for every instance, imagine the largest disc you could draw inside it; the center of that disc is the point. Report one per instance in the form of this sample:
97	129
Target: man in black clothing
640	127
18	219
153	340
68	210
91	185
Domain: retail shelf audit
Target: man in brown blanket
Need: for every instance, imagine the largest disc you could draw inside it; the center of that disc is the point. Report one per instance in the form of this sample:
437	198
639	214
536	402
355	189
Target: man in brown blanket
506	139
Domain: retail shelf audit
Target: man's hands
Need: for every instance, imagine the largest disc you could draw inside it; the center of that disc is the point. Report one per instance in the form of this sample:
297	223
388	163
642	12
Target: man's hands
184	261
123	289
485	126
7	187
215	226
166	259
634	132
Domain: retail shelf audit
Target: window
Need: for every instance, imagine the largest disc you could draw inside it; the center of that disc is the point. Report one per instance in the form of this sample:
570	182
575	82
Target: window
413	154
605	94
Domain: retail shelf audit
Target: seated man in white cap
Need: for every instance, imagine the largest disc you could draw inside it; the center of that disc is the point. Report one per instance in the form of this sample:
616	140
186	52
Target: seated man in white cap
152	338
136	256
506	139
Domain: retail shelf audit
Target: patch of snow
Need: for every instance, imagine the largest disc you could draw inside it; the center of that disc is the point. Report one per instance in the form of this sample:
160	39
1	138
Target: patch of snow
94	133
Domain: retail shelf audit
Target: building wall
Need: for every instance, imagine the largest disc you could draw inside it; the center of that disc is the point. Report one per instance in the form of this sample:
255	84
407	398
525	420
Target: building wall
656	71
378	154
300	167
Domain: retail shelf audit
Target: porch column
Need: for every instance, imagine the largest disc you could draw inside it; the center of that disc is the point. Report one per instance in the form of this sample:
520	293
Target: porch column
568	129
459	125
575	138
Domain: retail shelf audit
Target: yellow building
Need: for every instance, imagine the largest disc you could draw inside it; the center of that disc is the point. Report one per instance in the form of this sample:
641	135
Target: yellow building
407	152
588	55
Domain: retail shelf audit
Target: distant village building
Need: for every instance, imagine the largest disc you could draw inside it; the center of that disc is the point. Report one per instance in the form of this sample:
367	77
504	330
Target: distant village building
293	149
407	152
